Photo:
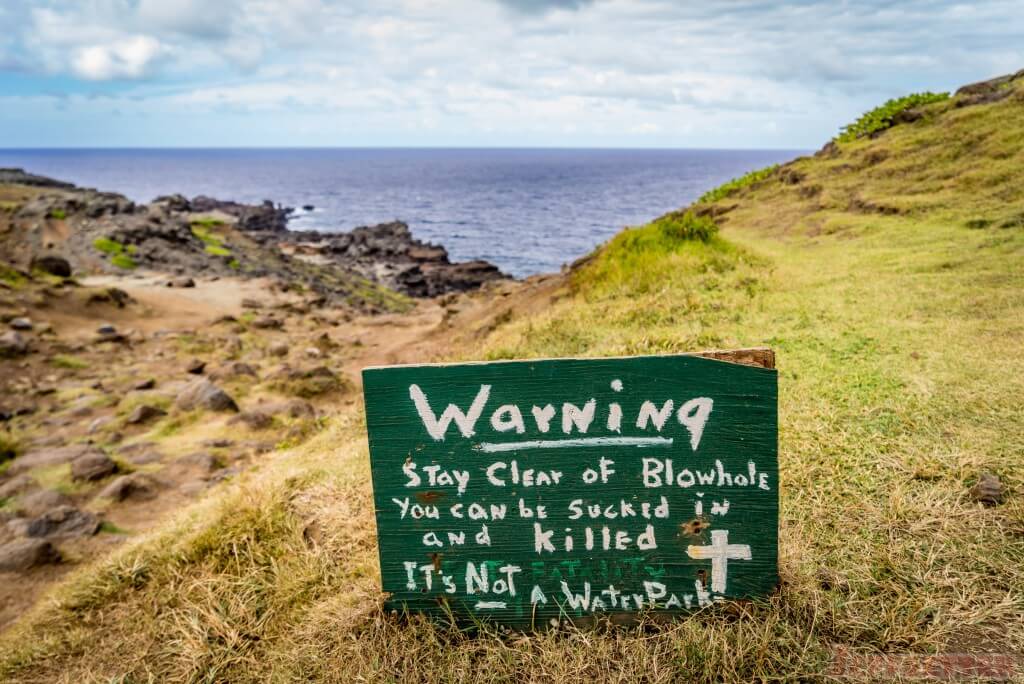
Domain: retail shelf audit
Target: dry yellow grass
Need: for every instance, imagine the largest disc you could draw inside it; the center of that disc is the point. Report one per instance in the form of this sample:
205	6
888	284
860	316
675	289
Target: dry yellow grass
889	281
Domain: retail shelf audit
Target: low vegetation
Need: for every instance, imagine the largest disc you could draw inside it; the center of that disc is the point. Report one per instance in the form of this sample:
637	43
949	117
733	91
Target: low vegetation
736	184
119	253
896	328
206	230
883	116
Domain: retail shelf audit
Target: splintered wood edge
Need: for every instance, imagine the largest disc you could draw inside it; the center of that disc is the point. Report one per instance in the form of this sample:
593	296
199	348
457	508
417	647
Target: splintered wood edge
762	357
754	356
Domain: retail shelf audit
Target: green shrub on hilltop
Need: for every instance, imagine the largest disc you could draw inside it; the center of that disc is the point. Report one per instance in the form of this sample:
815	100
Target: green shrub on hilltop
883	116
58	214
726	189
680	225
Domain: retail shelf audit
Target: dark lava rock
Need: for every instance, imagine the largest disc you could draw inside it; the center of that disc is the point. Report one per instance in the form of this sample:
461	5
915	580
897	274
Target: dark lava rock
988	490
24	554
107	329
22	177
54	265
147	384
12	344
92	466
249	303
278	349
195	367
137	486
181	282
203	394
21	323
144	413
987	92
63	522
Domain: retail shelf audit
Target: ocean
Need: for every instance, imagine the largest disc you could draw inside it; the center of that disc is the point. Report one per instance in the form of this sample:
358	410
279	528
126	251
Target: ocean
526	210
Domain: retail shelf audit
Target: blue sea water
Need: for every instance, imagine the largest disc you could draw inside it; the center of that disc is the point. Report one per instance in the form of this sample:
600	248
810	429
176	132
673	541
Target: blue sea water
526	210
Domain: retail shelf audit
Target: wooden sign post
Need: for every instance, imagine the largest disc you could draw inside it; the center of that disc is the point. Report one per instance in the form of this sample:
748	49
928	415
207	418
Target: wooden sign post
530	491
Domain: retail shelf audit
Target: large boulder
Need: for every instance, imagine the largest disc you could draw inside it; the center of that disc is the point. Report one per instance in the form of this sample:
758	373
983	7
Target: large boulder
25	554
203	394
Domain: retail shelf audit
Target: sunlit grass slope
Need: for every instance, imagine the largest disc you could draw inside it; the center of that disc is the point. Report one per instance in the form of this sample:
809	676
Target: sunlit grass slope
887	273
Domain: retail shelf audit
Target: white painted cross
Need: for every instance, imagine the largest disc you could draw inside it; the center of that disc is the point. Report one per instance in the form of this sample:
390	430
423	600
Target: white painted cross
720	552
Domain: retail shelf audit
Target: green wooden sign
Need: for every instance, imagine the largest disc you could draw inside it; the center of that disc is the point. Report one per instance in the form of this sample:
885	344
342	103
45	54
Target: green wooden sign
532	491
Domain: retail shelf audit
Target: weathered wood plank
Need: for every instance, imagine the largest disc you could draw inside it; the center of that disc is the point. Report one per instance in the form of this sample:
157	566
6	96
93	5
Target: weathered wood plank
534	490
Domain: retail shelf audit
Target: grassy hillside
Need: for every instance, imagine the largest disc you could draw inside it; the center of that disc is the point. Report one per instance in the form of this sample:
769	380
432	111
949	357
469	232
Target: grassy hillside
887	272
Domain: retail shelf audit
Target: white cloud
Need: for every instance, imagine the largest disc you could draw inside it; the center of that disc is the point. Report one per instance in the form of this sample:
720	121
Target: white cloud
126	58
737	73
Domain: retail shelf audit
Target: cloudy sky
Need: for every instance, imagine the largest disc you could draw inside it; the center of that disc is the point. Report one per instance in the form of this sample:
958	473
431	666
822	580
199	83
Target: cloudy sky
615	73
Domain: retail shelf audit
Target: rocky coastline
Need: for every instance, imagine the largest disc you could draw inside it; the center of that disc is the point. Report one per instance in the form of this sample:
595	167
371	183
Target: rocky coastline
103	232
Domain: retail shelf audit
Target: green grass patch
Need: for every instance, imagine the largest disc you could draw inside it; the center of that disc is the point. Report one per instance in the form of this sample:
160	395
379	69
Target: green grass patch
119	253
9	207
108	246
59	214
123	261
685	225
10	447
736	184
69	362
883	116
205	231
11	276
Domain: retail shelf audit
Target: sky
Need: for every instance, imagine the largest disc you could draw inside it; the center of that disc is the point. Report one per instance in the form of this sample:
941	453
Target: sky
479	73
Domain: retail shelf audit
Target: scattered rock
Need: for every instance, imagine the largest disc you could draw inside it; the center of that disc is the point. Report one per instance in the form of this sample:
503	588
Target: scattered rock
16	485
12	344
63	522
195	367
144	413
278	349
249	303
267	323
255	420
21	323
298	408
136	486
181	282
312	352
147	384
205	395
92	466
988	490
235	369
54	265
107	330
50	457
204	460
37	503
96	425
224	474
25	554
218	443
